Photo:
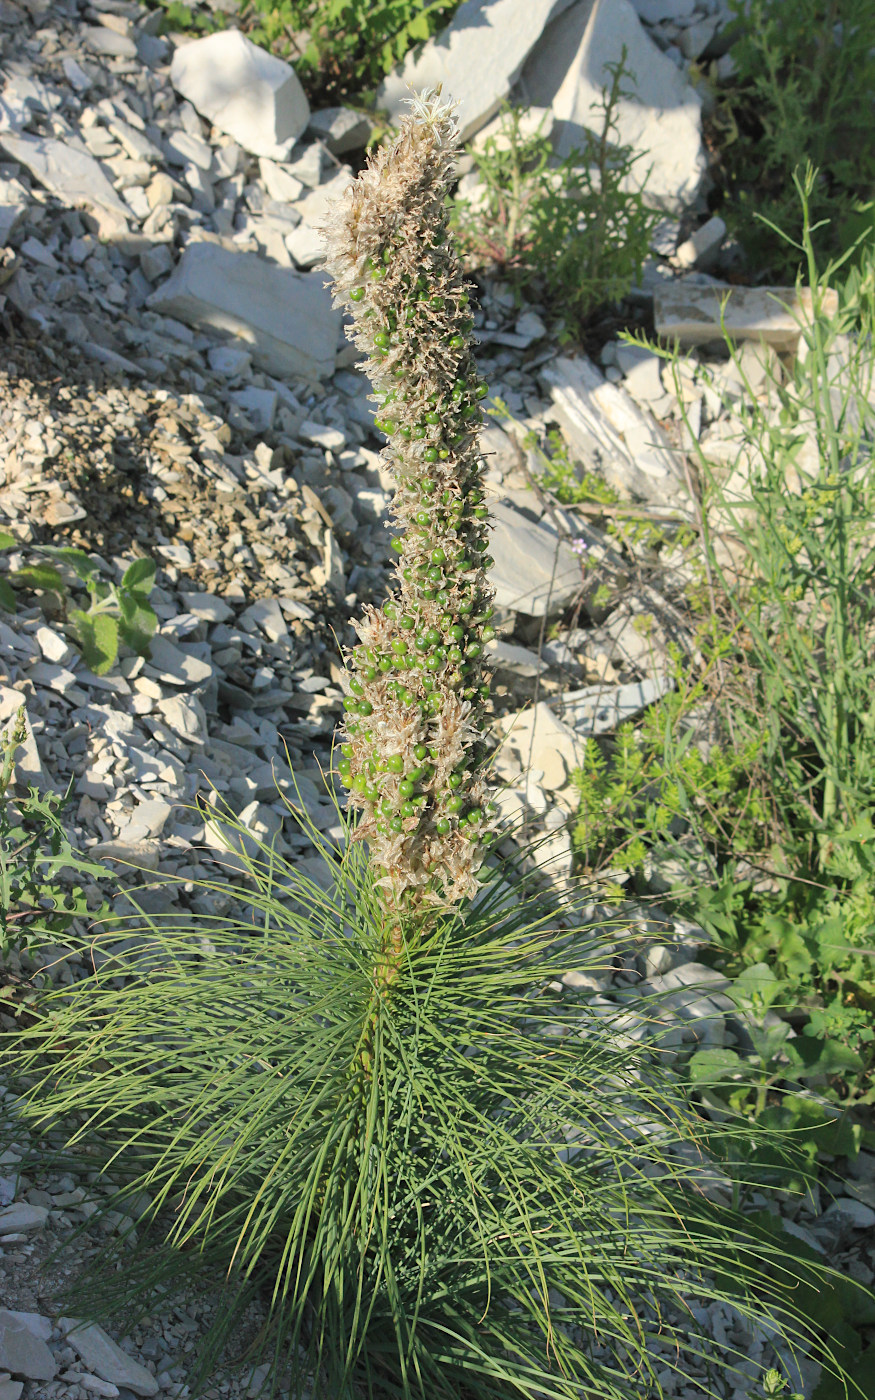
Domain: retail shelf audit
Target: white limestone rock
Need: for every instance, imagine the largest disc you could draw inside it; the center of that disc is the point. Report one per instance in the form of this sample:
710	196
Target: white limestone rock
661	122
599	709
73	176
340	128
477	58
23	1351
691	314
106	1359
610	434
285	318
243	90
535	572
538	739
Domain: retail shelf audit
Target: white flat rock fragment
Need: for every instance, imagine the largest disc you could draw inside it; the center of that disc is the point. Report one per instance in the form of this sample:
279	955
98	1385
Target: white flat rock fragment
600	709
610	433
208	606
535	572
691	315
23	1352
538	739
660	119
340	129
703	244
477	58
306	246
284	317
243	90
170	663
72	176
107	43
107	1360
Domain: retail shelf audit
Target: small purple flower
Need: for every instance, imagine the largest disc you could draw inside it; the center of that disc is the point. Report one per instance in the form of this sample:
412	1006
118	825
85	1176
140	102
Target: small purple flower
579	546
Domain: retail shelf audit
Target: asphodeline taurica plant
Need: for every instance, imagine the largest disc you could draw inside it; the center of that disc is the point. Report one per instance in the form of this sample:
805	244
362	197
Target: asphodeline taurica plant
418	683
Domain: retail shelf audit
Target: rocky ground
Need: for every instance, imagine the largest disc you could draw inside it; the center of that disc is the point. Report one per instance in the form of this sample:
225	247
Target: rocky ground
175	384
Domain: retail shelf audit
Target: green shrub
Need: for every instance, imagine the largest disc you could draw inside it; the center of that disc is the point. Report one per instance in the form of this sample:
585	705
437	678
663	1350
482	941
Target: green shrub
37	906
115	613
803	91
570	232
344	48
771	832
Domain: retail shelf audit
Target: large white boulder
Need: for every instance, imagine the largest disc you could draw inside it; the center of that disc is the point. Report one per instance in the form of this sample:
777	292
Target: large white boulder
285	317
661	121
476	59
535	572
243	90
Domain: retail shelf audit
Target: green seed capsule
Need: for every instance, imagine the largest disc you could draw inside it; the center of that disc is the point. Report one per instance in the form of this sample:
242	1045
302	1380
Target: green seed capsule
432	417
474	650
407	622
408	809
488	634
481	391
442	826
356	687
396	544
438	555
406	787
455	804
399	646
456	342
408	698
455	780
423	517
454	655
365	707
474	816
435	574
430	454
357	294
433	662
396	824
420	751
395	763
386	664
347	750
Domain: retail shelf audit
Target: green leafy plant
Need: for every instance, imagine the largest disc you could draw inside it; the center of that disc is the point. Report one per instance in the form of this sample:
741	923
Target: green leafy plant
358	1097
344	47
573	231
36	905
802	90
771	831
116	612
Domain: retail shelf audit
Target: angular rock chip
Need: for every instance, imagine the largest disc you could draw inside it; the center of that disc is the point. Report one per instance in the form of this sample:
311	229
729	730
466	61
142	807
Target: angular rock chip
285	317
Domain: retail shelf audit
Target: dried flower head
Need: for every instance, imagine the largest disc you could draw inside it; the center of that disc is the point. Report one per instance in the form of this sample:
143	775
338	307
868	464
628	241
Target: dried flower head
418	684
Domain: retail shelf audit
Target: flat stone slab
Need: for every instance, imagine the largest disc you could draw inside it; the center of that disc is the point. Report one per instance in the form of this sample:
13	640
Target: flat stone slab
690	315
535	572
73	176
284	317
611	434
107	1360
244	91
660	119
600	709
476	59
22	1351
22	1218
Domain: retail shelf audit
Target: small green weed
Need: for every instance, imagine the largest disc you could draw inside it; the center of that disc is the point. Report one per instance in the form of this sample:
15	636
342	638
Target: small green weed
803	88
571	232
116	612
343	48
36	907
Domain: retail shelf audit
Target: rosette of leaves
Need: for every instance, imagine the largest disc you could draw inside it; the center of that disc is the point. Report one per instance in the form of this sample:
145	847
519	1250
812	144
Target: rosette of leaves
418	683
116	612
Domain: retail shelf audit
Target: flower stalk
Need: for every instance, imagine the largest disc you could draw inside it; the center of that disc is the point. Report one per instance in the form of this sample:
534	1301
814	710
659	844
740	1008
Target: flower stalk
418	683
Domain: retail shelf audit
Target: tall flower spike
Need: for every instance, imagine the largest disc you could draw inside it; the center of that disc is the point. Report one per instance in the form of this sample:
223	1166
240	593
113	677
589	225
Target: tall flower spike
418	683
